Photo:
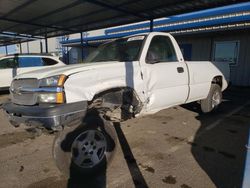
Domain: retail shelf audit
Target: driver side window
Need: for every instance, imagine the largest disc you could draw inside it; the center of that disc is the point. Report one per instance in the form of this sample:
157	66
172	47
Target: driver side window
161	50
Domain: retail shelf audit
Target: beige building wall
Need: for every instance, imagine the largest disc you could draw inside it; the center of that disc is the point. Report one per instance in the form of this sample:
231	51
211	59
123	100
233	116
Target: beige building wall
203	46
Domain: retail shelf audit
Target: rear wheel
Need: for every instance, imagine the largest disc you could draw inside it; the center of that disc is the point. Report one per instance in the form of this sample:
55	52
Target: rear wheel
86	149
213	99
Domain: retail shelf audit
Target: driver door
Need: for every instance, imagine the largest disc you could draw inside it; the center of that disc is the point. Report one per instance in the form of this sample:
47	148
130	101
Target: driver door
166	77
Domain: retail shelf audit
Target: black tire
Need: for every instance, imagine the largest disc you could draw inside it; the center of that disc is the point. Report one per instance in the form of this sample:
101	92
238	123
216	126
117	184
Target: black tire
209	104
64	152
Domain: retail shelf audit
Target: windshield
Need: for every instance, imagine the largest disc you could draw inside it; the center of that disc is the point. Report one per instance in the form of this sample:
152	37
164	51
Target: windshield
125	49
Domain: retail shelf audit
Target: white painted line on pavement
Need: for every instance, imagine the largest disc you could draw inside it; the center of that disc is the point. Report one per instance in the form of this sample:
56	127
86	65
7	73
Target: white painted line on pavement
226	116
211	126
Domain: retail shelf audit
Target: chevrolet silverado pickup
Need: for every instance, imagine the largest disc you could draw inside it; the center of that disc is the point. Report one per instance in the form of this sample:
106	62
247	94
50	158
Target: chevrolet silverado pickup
124	78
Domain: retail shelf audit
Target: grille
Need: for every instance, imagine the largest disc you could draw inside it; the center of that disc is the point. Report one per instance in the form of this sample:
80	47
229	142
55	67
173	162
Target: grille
23	98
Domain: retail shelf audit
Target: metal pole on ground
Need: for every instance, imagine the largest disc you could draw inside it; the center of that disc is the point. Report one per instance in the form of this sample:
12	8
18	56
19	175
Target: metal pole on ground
246	177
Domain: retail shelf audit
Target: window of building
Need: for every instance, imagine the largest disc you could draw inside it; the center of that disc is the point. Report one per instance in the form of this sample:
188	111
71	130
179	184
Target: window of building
226	51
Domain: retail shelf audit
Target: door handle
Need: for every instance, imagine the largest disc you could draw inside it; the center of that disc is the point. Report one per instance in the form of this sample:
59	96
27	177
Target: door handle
180	69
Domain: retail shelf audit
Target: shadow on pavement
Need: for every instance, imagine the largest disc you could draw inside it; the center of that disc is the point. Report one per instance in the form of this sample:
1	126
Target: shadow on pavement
99	179
134	170
219	144
95	182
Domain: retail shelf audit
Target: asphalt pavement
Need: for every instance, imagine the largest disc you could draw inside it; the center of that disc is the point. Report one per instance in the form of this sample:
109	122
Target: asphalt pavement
177	147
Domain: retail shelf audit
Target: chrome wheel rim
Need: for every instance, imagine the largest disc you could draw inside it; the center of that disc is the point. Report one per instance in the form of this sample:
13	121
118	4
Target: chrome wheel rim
216	99
88	149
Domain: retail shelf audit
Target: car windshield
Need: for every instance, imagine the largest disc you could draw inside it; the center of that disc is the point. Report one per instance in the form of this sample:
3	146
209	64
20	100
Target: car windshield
125	49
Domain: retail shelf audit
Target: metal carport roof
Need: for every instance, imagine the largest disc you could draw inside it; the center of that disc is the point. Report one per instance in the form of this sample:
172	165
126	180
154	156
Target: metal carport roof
230	17
46	18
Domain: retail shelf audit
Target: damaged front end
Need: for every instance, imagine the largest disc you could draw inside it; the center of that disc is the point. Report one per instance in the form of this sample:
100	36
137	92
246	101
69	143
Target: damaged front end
118	104
50	117
41	103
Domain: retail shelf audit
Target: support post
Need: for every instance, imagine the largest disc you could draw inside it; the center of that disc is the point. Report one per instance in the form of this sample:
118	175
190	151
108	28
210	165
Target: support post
41	46
82	45
68	55
21	51
246	179
6	50
151	25
28	48
46	44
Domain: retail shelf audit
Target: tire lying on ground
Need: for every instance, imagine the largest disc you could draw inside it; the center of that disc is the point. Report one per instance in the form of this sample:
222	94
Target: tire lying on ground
86	149
213	99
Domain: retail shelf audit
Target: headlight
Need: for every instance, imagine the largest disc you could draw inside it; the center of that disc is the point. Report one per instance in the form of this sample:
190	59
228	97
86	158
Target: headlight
51	97
53	81
53	89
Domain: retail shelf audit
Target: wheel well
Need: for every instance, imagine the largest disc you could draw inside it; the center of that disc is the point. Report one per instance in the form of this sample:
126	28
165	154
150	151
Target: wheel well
117	103
217	80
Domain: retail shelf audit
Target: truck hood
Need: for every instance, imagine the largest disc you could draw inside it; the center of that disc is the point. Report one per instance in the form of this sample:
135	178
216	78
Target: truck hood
66	70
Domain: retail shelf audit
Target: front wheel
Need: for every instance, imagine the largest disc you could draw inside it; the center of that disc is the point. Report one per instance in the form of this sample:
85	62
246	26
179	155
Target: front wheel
213	99
87	149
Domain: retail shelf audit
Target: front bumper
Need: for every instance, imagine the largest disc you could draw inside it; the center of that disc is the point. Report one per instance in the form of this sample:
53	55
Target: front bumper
52	117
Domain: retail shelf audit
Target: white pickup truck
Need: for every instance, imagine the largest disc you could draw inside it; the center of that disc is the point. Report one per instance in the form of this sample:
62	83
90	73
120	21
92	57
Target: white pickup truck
122	79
